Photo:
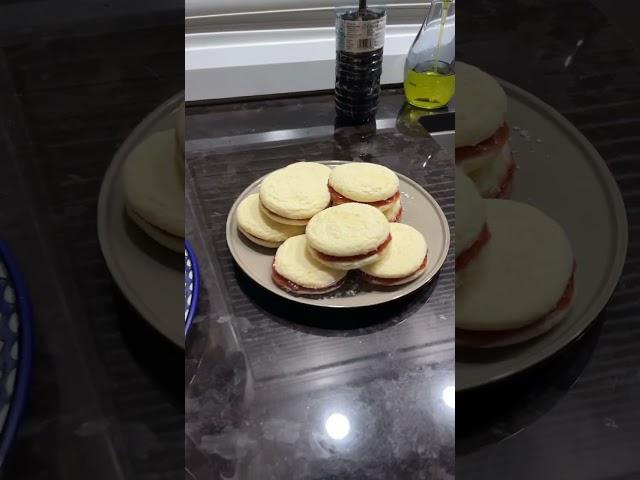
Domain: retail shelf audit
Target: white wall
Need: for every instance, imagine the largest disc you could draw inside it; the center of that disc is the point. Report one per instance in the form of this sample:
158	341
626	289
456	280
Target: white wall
269	52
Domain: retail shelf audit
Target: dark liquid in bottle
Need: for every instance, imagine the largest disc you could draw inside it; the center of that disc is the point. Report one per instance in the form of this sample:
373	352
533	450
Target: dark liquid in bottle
358	78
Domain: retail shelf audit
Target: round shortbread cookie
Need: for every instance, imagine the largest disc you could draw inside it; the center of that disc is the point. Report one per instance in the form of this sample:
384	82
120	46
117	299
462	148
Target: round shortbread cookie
511	337
163	238
478	161
403	256
493	180
364	182
345	264
394	212
470	212
282	220
153	186
402	281
347	230
296	192
253	221
294	262
527	271
481	105
258	241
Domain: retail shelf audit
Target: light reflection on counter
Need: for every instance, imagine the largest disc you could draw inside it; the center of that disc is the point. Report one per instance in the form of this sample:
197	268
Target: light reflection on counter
449	396
337	426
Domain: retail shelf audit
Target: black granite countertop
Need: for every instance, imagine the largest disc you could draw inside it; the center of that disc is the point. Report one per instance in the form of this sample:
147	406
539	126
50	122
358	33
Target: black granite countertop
271	385
577	416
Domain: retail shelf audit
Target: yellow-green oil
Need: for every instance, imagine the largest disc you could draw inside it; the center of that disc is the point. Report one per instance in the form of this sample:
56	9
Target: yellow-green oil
429	89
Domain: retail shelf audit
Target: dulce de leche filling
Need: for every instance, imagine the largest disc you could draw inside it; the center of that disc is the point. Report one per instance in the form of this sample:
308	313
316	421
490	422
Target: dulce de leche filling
397	279
338	198
494	142
353	258
467	256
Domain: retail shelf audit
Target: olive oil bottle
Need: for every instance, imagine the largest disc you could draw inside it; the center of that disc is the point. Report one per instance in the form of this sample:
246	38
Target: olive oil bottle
430	79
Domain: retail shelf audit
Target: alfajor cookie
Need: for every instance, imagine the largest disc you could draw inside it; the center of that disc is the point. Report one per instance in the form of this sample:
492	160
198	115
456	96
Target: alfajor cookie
527	284
394	213
348	236
296	271
404	260
295	193
472	232
495	179
368	183
153	187
164	238
481	129
259	228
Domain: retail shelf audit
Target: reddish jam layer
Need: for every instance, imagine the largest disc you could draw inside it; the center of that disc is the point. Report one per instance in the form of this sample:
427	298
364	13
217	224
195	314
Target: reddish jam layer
483	337
466	257
293	287
505	185
338	198
399	215
353	258
391	281
494	142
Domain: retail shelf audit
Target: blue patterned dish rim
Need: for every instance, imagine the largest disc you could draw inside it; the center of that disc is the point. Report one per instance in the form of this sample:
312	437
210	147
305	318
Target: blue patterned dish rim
191	286
13	300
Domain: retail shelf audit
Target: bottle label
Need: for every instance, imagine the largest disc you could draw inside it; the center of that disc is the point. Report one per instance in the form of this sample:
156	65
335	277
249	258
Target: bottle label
360	36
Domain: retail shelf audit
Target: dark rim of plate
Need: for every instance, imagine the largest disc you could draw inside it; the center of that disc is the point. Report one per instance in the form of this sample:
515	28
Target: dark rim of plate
196	287
23	377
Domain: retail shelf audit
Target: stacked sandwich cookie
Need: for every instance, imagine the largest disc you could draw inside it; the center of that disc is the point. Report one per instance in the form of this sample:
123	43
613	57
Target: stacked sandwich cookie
482	134
298	272
348	236
260	228
295	193
524	282
153	179
369	184
404	260
472	232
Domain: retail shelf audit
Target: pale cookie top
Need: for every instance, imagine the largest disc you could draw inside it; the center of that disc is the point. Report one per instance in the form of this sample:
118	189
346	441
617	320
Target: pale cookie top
348	229
470	212
364	182
252	220
403	256
526	273
481	105
294	262
297	191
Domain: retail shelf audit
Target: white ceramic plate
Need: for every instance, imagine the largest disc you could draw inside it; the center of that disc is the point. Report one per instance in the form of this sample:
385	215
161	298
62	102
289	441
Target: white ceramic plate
143	270
420	211
562	174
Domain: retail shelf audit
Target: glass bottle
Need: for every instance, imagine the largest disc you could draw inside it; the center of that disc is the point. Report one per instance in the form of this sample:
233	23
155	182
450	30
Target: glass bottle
359	47
429	73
